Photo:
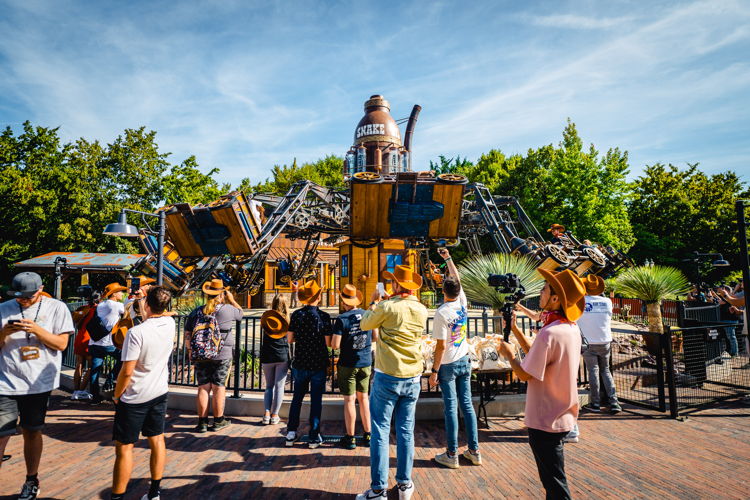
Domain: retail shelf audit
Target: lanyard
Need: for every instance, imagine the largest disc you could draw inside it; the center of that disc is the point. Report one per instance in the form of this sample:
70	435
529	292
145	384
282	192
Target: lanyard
36	316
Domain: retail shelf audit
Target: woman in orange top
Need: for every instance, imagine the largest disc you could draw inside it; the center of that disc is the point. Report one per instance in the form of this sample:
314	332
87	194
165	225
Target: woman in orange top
81	317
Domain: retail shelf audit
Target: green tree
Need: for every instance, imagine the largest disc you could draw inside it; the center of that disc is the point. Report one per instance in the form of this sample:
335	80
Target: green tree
58	196
326	171
675	212
185	183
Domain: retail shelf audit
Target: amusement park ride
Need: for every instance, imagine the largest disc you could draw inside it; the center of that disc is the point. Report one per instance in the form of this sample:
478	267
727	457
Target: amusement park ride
384	199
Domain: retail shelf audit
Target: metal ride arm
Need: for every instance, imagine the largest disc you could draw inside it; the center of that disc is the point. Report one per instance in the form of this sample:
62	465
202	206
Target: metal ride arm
304	212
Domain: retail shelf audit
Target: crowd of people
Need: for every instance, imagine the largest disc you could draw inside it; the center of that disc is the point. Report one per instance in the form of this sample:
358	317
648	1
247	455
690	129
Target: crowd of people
379	367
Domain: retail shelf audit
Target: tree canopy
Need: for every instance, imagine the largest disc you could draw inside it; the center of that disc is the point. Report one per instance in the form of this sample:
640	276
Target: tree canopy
58	196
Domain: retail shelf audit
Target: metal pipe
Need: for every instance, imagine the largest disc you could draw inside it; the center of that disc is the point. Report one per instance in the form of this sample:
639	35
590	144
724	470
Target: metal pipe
410	126
237	332
160	257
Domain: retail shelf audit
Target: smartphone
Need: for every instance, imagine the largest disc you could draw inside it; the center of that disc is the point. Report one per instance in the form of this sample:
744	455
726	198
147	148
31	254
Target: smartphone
135	285
13	321
381	289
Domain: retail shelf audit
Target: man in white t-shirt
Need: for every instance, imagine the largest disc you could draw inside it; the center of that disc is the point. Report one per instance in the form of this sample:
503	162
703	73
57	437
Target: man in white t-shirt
595	328
34	331
109	310
452	368
141	392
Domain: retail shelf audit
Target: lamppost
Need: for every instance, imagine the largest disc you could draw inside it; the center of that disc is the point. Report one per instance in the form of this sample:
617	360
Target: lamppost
744	261
123	229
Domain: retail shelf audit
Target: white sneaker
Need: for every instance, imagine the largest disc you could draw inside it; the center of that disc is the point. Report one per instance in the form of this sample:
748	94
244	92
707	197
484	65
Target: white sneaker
275	420
291	438
145	497
87	395
266	419
474	458
405	491
76	395
369	495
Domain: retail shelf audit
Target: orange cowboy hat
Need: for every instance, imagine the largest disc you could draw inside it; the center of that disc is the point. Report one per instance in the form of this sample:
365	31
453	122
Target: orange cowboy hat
309	292
213	287
594	284
570	289
113	288
145	280
405	277
274	324
556	226
350	295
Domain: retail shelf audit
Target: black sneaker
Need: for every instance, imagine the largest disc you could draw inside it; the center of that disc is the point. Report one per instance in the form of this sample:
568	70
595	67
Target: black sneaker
615	408
315	442
29	491
348	442
592	408
366	438
221	424
202	426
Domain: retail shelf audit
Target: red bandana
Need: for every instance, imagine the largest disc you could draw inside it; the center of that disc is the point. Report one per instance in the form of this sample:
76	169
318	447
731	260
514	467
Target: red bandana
548	317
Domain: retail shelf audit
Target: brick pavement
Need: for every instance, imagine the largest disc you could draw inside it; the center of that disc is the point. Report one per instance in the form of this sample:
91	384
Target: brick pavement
636	454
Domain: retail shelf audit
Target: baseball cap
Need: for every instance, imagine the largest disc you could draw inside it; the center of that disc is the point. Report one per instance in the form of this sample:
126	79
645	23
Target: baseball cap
25	285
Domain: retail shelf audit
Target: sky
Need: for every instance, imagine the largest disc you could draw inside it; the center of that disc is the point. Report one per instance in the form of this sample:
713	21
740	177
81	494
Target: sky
247	85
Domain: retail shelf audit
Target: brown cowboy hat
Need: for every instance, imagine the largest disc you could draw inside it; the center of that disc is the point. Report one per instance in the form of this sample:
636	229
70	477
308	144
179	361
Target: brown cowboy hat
213	287
405	277
274	324
351	296
556	226
113	288
569	288
594	284
309	292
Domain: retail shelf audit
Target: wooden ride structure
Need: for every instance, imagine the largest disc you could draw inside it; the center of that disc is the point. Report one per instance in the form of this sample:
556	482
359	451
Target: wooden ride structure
385	204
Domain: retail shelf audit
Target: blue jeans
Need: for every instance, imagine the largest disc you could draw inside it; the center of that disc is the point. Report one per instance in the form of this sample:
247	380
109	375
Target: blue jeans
455	384
397	397
98	354
729	331
313	381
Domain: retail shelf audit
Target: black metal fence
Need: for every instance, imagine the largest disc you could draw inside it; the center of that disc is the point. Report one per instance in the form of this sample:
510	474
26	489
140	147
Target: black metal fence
247	375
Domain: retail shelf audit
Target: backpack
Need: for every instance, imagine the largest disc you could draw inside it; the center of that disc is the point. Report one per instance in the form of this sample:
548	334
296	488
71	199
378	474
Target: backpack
96	328
206	340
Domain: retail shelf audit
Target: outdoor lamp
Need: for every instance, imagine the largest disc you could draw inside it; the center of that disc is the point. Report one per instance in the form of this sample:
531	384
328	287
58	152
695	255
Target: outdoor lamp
121	227
720	262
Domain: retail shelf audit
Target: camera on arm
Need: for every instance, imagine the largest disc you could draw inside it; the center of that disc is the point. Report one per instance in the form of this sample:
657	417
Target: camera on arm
510	285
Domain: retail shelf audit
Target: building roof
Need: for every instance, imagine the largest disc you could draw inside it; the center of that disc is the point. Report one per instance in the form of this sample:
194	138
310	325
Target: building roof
81	262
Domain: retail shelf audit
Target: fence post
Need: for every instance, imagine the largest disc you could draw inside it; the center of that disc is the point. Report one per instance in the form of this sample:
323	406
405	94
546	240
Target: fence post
664	339
237	335
673	409
485	321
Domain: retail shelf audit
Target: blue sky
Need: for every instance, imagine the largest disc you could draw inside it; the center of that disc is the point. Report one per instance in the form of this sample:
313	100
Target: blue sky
246	85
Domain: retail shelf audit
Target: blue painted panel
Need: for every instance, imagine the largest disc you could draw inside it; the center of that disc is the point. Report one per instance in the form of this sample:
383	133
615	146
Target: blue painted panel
412	213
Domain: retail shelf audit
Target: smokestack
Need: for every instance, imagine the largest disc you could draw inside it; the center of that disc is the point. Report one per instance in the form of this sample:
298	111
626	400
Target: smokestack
410	126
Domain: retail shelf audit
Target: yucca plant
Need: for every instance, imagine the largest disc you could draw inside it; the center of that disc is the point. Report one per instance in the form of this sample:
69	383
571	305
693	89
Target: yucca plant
652	284
474	274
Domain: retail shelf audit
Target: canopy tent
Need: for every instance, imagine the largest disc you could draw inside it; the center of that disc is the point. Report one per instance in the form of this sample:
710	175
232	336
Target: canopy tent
80	263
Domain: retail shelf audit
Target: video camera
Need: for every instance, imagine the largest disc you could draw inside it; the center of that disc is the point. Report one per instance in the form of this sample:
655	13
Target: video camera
511	285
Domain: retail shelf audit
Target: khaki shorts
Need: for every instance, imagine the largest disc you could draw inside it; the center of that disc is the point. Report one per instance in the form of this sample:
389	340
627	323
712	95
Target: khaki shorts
354	379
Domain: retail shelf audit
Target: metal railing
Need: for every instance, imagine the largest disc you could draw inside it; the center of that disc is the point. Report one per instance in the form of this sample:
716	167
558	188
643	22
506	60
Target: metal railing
246	373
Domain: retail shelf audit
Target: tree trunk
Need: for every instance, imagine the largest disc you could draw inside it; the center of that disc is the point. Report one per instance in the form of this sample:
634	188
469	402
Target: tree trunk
653	310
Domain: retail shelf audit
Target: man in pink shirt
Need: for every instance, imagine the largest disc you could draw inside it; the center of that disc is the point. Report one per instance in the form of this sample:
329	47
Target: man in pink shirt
551	367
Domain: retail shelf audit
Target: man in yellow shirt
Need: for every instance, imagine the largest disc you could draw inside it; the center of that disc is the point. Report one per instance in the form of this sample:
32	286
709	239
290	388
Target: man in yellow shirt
401	321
